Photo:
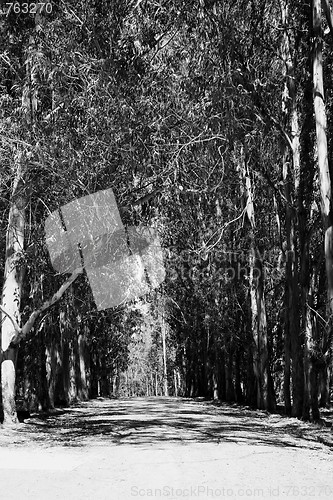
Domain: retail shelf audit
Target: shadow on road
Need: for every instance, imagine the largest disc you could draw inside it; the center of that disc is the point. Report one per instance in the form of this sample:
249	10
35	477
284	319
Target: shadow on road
147	421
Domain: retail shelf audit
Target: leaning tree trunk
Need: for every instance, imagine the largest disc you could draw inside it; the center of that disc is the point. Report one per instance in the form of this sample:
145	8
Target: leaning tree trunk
12	290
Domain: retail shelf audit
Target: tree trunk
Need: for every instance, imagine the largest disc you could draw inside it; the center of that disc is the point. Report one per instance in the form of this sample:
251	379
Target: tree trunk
322	151
222	378
8	381
165	371
238	388
308	349
12	289
52	363
228	368
83	388
175	381
264	400
291	180
324	385
324	169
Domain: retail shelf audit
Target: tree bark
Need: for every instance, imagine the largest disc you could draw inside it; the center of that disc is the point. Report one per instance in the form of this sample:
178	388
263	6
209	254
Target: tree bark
325	181
265	398
291	181
309	378
12	289
322	151
164	351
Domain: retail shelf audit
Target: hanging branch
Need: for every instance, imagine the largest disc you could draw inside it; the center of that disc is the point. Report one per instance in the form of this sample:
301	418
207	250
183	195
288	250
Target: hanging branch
21	333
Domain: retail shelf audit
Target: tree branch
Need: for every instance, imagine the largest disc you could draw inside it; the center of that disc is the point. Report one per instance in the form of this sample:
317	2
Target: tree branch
23	332
262	110
12	319
210	247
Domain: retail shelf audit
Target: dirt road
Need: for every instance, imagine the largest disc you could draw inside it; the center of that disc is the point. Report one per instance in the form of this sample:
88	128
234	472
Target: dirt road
164	448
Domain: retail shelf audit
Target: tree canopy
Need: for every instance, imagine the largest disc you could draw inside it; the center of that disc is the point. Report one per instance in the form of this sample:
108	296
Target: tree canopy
211	123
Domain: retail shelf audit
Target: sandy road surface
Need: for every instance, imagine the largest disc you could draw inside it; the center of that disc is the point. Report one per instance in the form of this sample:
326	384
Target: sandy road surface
164	448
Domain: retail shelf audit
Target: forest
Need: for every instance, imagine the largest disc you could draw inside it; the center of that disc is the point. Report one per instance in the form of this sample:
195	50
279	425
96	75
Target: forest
210	122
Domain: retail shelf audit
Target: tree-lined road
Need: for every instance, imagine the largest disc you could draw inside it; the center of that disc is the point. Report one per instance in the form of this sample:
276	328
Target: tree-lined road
164	448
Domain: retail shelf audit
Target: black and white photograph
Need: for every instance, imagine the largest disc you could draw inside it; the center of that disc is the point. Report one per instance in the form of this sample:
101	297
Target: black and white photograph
166	249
